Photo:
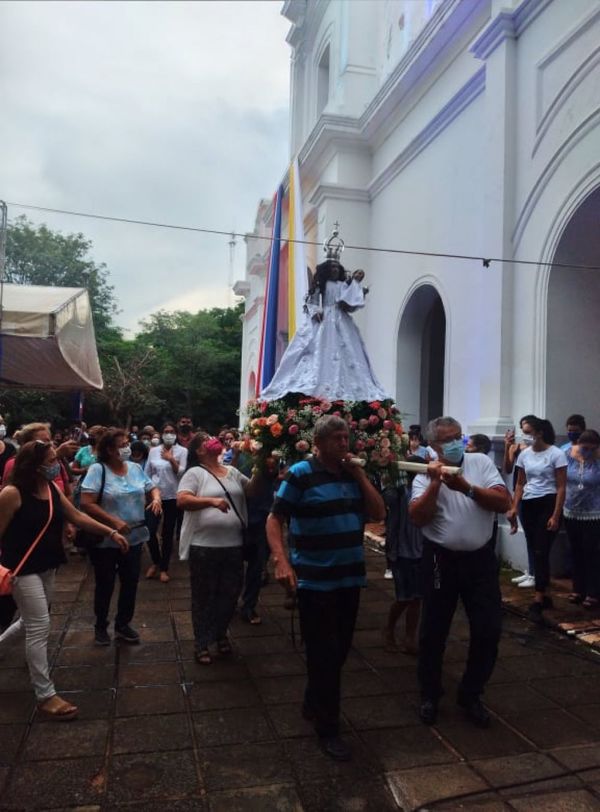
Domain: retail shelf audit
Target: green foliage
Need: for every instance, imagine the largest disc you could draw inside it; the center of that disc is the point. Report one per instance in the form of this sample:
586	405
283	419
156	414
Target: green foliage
179	362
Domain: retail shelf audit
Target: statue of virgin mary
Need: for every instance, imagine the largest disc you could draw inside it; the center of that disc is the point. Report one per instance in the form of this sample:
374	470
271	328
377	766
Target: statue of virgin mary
326	357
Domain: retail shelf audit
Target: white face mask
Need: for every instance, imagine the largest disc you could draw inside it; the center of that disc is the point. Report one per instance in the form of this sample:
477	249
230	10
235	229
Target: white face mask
2	431
155	441
168	438
125	453
526	439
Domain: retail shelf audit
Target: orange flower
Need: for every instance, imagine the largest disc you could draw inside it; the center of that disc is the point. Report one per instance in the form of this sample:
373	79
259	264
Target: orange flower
262	421
276	429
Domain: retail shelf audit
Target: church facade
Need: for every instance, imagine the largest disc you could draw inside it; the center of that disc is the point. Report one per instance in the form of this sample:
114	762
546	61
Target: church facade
462	128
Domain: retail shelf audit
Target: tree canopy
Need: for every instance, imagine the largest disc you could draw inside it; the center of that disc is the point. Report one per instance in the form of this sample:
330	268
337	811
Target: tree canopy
178	363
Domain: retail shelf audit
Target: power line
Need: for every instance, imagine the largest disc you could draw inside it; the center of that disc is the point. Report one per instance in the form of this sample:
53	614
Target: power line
486	261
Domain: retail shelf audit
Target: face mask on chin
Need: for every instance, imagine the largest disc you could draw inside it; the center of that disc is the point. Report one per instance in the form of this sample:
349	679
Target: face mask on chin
453	451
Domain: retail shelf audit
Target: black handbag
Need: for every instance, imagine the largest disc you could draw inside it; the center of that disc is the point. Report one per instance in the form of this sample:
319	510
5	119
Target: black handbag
247	540
84	540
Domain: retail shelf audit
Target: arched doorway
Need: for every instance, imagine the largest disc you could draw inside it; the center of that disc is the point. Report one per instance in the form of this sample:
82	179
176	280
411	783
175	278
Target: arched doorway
573	323
421	356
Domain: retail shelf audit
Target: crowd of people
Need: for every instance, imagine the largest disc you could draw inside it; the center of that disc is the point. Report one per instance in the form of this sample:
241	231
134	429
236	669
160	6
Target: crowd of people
108	492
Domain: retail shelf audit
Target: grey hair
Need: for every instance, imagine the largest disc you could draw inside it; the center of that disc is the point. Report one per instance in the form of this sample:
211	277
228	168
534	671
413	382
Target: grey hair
327	424
431	431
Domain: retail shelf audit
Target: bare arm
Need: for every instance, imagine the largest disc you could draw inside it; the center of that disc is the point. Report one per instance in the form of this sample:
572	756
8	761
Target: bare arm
80	519
187	501
561	490
10	502
284	573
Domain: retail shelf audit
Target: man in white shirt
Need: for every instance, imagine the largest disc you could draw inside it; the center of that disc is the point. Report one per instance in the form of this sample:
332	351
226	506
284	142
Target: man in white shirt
456	514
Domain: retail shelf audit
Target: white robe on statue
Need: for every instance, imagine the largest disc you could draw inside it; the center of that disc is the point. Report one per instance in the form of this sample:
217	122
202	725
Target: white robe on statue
327	359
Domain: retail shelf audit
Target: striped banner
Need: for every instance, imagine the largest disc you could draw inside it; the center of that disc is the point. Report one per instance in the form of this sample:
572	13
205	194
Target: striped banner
297	276
268	340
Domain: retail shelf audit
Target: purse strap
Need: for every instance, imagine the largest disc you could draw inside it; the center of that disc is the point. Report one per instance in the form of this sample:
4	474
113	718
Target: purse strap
227	494
23	561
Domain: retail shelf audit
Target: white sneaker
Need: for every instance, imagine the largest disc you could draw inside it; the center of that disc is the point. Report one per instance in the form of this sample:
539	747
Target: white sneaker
388	575
520	578
528	582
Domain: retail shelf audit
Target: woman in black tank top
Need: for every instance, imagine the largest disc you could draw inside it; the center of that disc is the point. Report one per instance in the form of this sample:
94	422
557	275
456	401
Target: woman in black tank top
32	510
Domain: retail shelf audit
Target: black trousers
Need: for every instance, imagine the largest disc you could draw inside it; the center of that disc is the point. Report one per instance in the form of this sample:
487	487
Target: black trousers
327	621
108	563
161	554
255	554
216	575
534	518
472	577
584	538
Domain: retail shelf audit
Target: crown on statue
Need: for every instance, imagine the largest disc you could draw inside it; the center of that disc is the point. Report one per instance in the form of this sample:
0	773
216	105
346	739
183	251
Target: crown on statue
334	245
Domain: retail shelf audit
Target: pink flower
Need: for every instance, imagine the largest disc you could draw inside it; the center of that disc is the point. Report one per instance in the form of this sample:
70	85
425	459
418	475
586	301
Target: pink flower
370	442
293	429
382	413
359	445
325	405
385	443
317	411
263	406
271	419
388	424
373	420
337	414
353	424
302	445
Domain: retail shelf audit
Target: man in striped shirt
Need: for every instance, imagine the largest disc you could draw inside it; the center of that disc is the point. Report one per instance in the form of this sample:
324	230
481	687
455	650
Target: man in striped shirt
325	501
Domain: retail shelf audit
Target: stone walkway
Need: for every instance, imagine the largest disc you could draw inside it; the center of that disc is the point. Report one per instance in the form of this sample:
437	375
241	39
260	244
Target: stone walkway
158	731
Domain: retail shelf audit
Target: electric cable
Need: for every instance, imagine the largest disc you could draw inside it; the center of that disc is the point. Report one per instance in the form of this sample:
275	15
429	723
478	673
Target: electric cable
486	261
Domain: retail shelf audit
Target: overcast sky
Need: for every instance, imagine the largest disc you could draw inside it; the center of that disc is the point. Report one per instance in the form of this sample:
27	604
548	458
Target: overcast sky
163	111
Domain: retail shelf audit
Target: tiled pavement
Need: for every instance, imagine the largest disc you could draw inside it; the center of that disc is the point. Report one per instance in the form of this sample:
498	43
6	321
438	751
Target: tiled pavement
158	731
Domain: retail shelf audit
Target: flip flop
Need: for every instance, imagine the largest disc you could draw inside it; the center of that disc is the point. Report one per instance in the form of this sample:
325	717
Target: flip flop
61	713
203	657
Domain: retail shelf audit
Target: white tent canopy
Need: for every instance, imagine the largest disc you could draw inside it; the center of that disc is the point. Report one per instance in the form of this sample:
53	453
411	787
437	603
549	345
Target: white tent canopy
47	338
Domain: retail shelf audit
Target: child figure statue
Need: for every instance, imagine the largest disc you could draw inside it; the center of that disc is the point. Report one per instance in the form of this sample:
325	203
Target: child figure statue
326	357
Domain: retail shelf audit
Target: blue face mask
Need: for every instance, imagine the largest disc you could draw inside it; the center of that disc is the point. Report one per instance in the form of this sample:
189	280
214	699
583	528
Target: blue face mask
574	436
50	472
587	453
453	451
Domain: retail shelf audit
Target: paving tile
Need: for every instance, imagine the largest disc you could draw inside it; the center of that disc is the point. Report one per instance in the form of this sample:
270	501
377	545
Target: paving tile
342	796
310	764
590	714
578	758
363	683
282	798
87	655
275	690
151	776
479	802
265	644
403	747
571	690
473	742
222	669
150	700
148	653
366	712
68	740
133	675
14	679
92	705
514	698
379	658
155	634
289	722
247	765
570	801
11	737
142	734
193	804
526	767
71	784
422	785
232	726
218	695
83	677
553	728
400	679
17	707
275	665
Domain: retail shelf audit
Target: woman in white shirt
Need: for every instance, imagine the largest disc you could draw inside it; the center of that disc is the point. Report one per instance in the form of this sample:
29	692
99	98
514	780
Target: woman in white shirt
540	491
213	498
165	466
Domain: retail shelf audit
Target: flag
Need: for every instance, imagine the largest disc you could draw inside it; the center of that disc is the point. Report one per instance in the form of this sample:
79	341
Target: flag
268	340
297	277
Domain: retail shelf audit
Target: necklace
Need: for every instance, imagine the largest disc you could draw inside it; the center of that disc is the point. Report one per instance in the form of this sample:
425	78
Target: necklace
581	486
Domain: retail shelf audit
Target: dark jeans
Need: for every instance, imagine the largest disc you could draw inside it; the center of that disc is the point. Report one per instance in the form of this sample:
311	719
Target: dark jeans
161	555
327	621
534	518
584	538
216	575
255	554
472	577
108	563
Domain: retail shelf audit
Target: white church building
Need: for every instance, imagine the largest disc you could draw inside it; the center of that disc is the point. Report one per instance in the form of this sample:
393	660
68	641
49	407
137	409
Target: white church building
454	127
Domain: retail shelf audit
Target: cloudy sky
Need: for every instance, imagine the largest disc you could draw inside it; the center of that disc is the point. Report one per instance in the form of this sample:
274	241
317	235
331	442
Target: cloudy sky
163	111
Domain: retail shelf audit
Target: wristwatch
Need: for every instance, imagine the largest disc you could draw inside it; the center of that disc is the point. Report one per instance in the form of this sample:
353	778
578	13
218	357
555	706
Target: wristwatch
471	492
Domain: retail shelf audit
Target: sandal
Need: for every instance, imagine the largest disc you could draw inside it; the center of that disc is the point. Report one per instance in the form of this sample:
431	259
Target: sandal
575	597
152	571
591	603
224	647
164	577
60	711
252	618
203	657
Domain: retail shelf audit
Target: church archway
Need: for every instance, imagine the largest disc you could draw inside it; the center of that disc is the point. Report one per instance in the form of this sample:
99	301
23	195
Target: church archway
421	356
573	320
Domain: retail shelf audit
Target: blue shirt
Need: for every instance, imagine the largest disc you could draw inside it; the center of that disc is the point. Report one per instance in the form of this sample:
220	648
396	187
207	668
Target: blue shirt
583	489
123	496
326	523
